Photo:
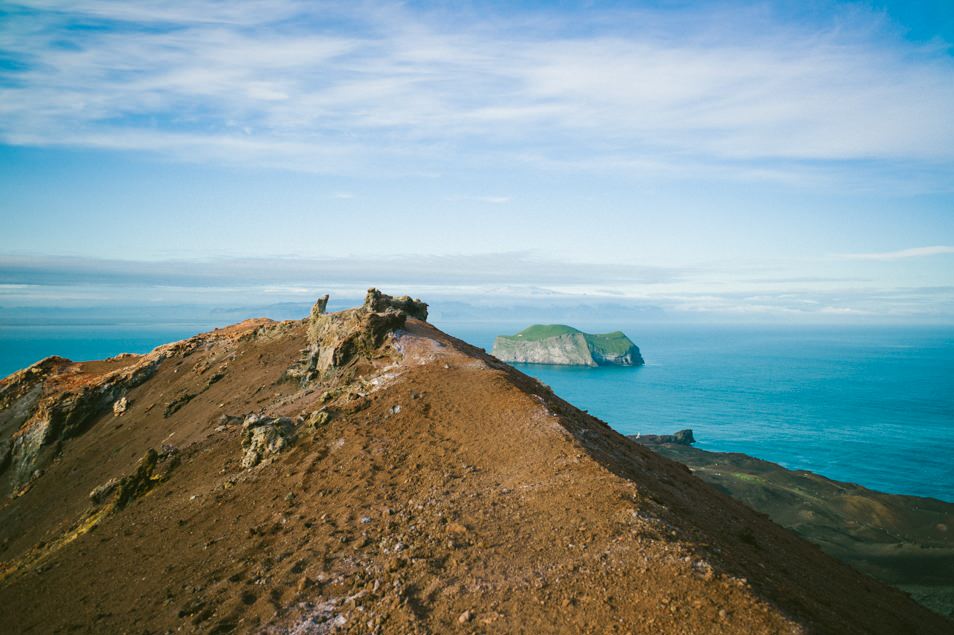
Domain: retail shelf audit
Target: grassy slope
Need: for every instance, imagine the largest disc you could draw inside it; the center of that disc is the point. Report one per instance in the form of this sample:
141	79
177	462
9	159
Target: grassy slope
539	332
609	344
902	540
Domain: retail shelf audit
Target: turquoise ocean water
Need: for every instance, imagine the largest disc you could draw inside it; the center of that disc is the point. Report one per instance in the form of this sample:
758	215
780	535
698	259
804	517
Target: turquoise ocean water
874	406
868	405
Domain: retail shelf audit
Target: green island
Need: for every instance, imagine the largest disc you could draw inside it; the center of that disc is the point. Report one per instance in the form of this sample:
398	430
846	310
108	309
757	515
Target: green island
565	345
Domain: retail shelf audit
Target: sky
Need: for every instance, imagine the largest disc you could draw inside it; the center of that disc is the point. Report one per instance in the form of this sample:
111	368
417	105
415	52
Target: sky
776	161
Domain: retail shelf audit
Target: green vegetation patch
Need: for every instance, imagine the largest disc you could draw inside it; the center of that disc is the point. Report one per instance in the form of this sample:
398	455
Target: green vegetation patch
541	332
609	344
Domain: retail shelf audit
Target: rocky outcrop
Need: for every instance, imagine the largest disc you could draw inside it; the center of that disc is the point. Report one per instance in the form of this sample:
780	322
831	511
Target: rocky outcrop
55	418
336	339
683	437
565	345
54	400
630	357
120	406
378	302
20	394
153	468
265	436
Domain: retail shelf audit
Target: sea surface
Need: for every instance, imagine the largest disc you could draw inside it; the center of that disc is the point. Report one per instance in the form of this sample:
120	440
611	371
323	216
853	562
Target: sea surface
873	406
868	405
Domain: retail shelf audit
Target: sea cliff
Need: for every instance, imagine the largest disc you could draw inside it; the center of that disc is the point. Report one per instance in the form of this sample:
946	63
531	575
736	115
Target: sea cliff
565	345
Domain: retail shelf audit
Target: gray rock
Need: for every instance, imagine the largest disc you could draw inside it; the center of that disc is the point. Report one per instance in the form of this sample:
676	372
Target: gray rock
102	492
378	302
683	437
320	306
265	436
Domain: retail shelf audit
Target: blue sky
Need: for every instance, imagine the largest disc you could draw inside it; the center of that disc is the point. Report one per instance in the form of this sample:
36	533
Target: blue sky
787	161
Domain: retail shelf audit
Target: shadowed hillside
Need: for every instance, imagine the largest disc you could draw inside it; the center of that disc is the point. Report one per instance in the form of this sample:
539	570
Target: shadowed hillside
906	541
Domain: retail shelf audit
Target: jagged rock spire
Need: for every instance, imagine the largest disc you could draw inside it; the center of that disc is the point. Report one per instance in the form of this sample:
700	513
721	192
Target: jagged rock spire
379	302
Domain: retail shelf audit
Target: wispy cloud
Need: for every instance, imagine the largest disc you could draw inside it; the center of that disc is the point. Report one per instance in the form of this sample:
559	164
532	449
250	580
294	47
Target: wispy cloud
517	268
347	87
483	280
490	200
902	254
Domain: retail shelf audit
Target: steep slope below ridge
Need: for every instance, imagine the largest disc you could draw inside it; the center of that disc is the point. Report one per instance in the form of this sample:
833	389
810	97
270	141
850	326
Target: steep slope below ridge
906	541
565	345
404	482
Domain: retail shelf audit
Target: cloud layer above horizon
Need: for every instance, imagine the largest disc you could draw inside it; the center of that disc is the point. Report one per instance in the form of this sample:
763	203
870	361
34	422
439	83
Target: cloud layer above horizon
489	280
782	159
726	91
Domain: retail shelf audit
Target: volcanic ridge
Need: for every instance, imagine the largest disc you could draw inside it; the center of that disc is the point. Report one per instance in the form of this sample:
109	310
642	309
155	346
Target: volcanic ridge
363	472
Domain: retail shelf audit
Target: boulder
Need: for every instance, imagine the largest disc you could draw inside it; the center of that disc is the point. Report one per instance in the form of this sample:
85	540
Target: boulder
264	436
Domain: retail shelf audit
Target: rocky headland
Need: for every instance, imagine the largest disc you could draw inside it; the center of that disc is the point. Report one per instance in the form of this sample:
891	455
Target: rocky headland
565	345
363	472
906	541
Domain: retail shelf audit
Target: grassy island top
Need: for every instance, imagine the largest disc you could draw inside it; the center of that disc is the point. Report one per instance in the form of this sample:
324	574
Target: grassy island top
615	343
542	332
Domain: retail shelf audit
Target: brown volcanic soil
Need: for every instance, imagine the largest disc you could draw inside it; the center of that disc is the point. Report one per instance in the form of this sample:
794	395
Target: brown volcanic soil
447	493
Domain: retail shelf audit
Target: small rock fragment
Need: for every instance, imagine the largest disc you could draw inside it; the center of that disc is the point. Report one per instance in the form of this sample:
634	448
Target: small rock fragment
456	528
304	583
119	406
102	492
318	418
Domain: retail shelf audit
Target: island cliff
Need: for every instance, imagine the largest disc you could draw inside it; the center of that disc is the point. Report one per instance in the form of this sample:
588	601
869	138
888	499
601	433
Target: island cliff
363	472
565	345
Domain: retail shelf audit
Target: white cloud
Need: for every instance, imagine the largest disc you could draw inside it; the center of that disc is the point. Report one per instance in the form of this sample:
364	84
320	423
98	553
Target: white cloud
490	200
902	254
476	279
286	290
276	83
840	310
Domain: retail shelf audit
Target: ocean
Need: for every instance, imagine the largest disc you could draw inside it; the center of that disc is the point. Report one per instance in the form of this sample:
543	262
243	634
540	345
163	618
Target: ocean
873	406
869	405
